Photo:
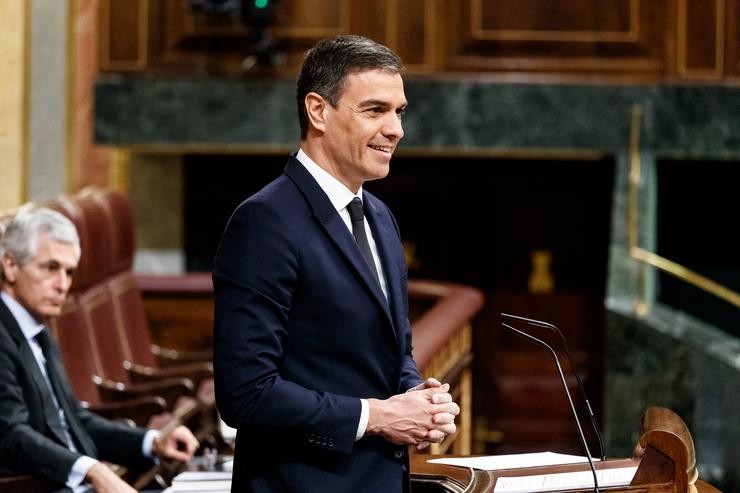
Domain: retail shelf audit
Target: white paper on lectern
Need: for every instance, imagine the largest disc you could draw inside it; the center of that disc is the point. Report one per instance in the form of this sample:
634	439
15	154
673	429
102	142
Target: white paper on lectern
512	461
620	476
202	476
201	481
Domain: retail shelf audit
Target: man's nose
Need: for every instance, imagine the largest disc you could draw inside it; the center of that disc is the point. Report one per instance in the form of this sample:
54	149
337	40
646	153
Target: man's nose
393	127
63	281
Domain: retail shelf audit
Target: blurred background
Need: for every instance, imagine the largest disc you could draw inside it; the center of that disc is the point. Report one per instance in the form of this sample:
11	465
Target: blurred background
577	161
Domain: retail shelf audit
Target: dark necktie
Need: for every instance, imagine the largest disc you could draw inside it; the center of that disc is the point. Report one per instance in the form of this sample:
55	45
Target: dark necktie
53	372
358	230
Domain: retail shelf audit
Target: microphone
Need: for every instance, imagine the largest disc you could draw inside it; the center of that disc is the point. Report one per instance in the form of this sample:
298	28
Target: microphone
540	323
545	345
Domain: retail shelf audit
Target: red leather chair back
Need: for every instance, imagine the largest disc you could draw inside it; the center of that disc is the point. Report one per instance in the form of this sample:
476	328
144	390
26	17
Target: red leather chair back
81	359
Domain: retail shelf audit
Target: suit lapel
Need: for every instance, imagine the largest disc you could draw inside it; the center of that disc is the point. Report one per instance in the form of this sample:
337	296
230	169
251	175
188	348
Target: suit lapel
28	360
67	400
336	230
384	239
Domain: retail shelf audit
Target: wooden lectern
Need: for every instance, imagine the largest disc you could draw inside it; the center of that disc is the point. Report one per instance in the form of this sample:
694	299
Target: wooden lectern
666	464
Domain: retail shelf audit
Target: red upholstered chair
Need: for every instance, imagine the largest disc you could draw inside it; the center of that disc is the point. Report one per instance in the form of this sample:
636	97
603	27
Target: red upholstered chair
96	318
114	313
133	339
82	363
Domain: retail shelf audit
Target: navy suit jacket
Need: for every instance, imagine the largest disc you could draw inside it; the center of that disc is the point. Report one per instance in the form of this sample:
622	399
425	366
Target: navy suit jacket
32	440
302	332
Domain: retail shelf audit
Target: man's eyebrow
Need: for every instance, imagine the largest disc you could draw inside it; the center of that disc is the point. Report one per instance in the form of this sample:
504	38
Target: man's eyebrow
377	102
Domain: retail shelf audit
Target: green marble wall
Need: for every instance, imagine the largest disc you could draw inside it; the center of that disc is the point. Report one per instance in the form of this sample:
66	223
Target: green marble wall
670	359
678	120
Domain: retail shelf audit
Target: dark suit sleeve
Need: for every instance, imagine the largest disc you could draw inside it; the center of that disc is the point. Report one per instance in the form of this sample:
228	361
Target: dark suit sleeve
255	277
116	441
410	376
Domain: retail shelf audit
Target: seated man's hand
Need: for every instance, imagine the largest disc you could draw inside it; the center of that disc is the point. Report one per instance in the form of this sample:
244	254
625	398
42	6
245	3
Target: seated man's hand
426	414
104	480
179	444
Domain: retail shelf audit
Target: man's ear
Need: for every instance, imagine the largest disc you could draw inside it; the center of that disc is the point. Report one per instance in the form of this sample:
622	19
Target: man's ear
316	107
10	268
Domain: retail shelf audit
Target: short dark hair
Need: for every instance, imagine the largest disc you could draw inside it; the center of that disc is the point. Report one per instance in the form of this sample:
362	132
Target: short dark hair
331	60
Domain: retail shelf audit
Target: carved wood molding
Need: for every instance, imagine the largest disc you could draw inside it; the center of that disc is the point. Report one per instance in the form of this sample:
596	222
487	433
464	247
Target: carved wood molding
690	39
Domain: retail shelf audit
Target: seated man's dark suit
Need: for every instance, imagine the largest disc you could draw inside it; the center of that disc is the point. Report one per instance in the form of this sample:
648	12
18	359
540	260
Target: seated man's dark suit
31	437
302	332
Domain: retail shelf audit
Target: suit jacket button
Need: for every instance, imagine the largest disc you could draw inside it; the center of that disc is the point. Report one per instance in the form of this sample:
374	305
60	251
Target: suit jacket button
398	454
331	442
311	438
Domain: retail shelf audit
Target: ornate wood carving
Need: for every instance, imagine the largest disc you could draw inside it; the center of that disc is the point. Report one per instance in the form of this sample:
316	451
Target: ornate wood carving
572	35
654	38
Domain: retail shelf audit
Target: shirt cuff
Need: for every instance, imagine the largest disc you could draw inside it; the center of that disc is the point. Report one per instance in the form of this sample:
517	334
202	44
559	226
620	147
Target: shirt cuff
148	442
364	416
421	386
79	471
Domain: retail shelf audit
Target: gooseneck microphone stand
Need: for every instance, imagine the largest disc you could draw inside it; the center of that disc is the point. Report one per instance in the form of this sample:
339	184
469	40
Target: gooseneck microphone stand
553	328
545	345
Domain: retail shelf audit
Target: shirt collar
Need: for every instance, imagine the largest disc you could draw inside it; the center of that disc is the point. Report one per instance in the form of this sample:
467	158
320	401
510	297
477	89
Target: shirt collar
338	194
30	327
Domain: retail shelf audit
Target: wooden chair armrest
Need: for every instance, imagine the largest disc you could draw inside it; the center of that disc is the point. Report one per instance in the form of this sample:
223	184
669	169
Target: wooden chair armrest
191	283
196	372
139	410
170	357
169	389
20	484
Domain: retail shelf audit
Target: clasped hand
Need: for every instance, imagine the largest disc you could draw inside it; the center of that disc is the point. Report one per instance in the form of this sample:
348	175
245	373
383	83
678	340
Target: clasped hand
423	415
179	444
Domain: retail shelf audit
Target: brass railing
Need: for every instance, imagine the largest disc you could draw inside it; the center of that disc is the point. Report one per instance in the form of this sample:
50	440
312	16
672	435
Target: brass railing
651	258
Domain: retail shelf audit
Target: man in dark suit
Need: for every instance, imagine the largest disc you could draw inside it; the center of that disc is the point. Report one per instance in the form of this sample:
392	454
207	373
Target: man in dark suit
43	429
312	344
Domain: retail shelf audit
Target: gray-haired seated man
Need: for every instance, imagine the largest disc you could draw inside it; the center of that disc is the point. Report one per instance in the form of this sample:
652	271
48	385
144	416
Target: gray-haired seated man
43	429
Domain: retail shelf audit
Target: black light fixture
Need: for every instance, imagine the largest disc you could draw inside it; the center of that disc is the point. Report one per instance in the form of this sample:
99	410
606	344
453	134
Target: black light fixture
257	16
215	6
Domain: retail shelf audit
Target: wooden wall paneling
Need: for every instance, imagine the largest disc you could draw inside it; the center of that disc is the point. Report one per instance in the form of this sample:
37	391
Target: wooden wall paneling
416	27
197	41
369	19
568	35
541	20
124	35
187	42
701	38
409	27
313	19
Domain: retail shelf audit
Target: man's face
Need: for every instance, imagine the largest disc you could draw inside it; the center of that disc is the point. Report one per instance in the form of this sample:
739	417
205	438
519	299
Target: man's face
363	130
41	284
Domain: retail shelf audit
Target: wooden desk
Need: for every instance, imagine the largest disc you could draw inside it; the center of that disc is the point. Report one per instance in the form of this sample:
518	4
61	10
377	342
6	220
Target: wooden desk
667	465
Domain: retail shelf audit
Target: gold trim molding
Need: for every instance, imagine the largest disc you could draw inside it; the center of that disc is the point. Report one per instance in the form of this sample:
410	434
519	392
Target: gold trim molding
682	42
632	35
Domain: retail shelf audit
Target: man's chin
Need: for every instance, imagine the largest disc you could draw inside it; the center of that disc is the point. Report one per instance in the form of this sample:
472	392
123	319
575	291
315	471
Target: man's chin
51	312
381	170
